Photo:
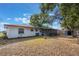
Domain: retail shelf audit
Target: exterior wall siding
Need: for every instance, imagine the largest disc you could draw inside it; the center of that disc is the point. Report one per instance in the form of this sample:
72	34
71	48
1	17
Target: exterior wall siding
13	32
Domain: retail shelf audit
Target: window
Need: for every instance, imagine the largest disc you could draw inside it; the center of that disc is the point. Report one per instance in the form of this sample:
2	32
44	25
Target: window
37	34
21	31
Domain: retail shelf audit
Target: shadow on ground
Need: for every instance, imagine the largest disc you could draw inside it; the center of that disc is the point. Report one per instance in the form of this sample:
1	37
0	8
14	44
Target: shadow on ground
15	40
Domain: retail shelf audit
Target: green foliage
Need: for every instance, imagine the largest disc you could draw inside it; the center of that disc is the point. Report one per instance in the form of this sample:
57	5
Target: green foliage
38	20
47	7
2	43
2	35
70	12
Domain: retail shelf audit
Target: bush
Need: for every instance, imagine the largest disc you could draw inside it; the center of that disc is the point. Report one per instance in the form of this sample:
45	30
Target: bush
2	43
3	35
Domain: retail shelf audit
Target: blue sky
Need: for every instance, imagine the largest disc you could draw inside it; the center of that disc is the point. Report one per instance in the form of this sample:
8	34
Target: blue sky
18	13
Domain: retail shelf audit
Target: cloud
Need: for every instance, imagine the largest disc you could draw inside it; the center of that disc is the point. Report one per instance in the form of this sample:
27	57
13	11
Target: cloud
17	19
26	15
2	25
8	18
23	20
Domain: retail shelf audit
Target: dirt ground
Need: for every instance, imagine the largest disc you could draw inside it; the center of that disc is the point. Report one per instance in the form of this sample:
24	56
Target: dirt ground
40	46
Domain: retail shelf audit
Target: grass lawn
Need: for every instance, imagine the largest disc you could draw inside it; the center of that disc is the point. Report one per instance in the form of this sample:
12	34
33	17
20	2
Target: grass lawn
39	46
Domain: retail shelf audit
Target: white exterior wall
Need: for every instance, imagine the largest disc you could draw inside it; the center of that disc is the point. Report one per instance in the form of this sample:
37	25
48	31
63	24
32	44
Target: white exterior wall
28	32
13	32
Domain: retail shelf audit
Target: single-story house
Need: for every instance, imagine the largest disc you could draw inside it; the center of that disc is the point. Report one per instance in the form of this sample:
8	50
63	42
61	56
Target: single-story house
15	31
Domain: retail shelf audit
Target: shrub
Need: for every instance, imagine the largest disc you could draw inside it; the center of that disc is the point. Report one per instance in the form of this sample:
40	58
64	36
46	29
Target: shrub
3	35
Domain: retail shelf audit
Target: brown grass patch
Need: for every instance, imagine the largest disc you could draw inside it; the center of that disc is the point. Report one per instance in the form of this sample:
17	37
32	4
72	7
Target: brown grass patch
52	46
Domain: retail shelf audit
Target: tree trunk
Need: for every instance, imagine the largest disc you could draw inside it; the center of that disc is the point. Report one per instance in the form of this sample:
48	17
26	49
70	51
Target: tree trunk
74	34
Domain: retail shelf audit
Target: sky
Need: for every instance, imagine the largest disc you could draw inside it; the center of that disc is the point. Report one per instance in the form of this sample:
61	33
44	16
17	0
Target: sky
19	13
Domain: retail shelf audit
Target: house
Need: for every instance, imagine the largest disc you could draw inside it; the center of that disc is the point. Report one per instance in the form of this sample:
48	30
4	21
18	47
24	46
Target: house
67	32
50	31
16	31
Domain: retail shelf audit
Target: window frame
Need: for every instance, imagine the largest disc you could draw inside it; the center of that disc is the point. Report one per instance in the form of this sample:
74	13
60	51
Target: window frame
21	31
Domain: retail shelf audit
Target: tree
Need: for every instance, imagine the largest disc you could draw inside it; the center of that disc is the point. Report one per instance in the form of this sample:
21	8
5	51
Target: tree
34	20
38	20
47	7
70	13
